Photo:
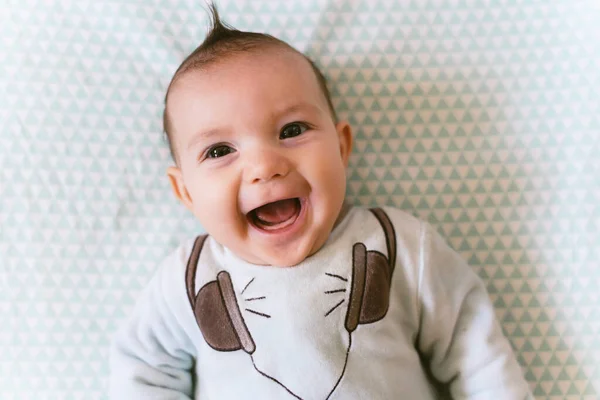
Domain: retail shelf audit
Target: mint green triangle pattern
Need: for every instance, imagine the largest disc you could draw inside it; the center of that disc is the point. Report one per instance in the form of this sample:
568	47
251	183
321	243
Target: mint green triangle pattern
480	117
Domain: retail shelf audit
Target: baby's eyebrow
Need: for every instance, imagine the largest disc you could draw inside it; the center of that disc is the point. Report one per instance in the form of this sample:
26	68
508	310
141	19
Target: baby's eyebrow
204	135
303	106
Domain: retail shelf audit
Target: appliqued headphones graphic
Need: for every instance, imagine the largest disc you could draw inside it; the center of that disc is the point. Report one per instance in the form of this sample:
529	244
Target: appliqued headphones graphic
219	317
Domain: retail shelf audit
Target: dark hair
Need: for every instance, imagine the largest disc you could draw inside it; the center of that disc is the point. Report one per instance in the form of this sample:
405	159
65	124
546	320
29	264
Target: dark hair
221	41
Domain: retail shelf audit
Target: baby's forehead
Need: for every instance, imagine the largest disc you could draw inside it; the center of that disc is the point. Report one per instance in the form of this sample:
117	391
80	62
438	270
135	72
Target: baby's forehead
247	88
223	55
264	71
261	58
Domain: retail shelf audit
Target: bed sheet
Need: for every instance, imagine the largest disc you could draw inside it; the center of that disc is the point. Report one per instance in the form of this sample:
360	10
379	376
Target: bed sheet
481	117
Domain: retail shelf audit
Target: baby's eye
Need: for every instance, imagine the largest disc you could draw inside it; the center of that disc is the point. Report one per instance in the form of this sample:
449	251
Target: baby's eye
292	130
219	150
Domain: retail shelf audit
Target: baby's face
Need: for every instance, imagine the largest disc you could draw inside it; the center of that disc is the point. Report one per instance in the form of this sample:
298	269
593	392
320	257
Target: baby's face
262	164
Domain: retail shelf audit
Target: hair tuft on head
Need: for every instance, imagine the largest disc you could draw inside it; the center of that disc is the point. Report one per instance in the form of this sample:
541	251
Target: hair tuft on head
219	30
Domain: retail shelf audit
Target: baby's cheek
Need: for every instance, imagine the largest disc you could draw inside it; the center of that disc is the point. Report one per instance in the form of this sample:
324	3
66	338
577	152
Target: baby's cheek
216	207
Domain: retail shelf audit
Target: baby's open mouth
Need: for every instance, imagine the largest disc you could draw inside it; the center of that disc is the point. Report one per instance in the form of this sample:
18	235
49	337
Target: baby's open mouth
276	215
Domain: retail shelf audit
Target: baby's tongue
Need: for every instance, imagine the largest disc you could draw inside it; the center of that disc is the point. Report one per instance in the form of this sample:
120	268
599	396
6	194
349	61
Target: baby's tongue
277	212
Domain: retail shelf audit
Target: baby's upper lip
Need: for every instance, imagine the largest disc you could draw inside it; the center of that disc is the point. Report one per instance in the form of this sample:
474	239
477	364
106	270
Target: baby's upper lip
268	202
272	198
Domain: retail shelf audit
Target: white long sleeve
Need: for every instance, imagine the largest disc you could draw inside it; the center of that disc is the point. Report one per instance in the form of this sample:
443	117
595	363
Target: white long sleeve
150	355
459	335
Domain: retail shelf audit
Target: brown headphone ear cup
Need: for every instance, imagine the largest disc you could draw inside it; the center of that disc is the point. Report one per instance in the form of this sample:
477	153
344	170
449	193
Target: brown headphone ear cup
219	316
213	319
370	287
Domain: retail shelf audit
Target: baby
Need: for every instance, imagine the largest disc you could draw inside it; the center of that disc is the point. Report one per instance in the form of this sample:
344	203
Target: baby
293	294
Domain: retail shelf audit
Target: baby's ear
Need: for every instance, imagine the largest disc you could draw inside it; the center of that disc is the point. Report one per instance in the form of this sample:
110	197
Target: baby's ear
344	131
178	186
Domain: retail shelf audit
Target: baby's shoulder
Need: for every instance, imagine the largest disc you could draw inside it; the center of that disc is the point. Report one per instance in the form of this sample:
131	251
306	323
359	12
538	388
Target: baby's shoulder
407	227
403	221
390	231
171	267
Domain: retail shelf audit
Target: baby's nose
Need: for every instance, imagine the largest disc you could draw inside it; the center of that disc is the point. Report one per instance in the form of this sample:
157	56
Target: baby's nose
264	165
